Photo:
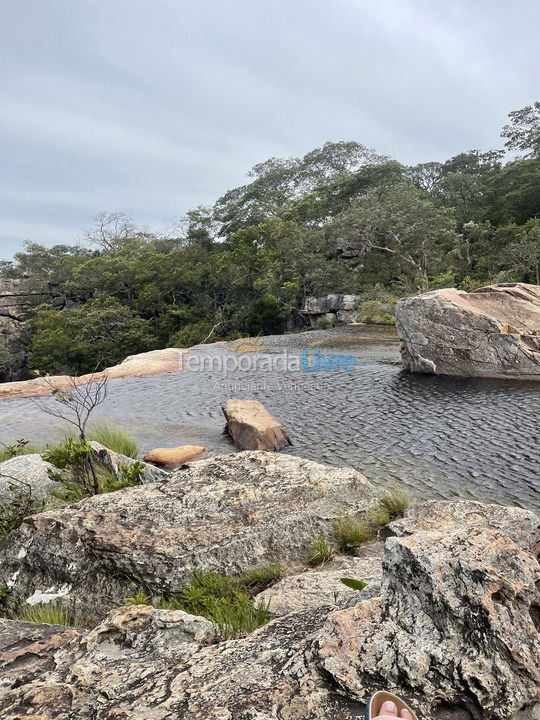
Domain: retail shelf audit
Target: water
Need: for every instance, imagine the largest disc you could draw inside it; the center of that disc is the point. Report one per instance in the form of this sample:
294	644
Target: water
441	437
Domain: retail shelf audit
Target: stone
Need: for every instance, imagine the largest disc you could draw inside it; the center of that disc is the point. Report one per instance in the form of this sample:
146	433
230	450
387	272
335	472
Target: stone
491	332
27	475
116	461
334	308
455	631
522	526
252	427
321	587
228	514
174	457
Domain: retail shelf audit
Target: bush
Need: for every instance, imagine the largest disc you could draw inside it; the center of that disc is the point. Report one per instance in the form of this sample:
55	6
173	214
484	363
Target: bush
52	613
376	312
115	439
16	448
319	551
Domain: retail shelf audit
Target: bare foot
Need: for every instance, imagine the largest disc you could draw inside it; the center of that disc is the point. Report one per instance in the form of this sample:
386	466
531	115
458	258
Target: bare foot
389	712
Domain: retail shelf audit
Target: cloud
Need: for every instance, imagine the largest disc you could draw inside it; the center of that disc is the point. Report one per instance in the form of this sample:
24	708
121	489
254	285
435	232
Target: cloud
154	108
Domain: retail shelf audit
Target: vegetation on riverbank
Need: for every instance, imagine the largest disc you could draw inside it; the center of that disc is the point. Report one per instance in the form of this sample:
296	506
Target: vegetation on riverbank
340	219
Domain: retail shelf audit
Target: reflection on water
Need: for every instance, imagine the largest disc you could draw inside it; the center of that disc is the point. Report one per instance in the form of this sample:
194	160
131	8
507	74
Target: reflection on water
442	437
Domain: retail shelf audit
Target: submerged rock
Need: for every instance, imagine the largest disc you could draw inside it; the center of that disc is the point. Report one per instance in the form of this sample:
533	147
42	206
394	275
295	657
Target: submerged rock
252	427
228	514
491	332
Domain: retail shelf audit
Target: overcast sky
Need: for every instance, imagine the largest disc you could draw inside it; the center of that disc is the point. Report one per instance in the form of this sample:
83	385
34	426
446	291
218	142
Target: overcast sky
152	107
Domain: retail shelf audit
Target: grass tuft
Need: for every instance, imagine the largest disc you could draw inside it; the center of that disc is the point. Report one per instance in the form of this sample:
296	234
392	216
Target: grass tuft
395	501
351	532
319	551
52	613
260	577
115	439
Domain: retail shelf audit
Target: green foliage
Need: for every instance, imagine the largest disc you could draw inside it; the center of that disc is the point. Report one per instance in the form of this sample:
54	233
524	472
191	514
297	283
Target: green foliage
52	613
225	601
5	592
319	551
374	312
340	219
353	584
115	439
17	447
14	509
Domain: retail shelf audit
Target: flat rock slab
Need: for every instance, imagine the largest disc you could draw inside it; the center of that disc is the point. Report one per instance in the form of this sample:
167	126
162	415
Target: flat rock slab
491	332
227	513
174	457
252	427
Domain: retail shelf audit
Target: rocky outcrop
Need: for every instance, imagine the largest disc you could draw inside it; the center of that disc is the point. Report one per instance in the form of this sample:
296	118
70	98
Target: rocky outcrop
491	332
116	463
174	457
18	300
228	514
455	631
153	362
27	476
333	309
252	427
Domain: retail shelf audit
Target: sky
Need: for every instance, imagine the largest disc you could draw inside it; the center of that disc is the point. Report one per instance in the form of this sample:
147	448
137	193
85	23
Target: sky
152	107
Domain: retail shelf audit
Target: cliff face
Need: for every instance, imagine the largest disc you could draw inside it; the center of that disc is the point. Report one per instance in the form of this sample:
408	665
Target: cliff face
18	300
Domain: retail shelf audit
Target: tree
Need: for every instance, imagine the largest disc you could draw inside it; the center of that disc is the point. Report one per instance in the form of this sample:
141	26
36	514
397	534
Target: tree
76	340
110	230
523	131
522	257
402	223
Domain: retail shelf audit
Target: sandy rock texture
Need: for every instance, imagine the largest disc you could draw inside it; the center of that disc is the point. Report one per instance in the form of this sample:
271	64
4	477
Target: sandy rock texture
491	332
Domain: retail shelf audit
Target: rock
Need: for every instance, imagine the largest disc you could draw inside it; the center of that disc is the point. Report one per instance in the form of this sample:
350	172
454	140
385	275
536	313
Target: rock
174	457
333	308
491	332
227	513
522	526
252	427
153	362
317	588
149	633
27	475
455	631
116	461
26	648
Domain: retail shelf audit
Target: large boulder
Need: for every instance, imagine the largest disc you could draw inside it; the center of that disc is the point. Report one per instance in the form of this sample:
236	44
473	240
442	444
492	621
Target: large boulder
28	477
252	427
227	514
491	332
455	631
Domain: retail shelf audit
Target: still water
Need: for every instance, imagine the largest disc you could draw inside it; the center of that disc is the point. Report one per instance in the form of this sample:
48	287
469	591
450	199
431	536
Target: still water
441	437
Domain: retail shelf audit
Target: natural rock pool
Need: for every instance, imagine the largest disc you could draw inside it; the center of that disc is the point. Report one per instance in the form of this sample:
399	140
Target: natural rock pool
441	437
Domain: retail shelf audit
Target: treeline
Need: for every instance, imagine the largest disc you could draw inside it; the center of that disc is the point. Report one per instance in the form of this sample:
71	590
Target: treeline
340	219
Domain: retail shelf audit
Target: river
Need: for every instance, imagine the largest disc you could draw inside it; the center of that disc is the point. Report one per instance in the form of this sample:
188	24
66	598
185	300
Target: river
440	437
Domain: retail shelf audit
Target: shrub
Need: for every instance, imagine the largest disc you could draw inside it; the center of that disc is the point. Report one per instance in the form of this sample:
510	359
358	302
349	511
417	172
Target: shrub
319	551
16	448
115	439
52	613
375	312
139	598
395	501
